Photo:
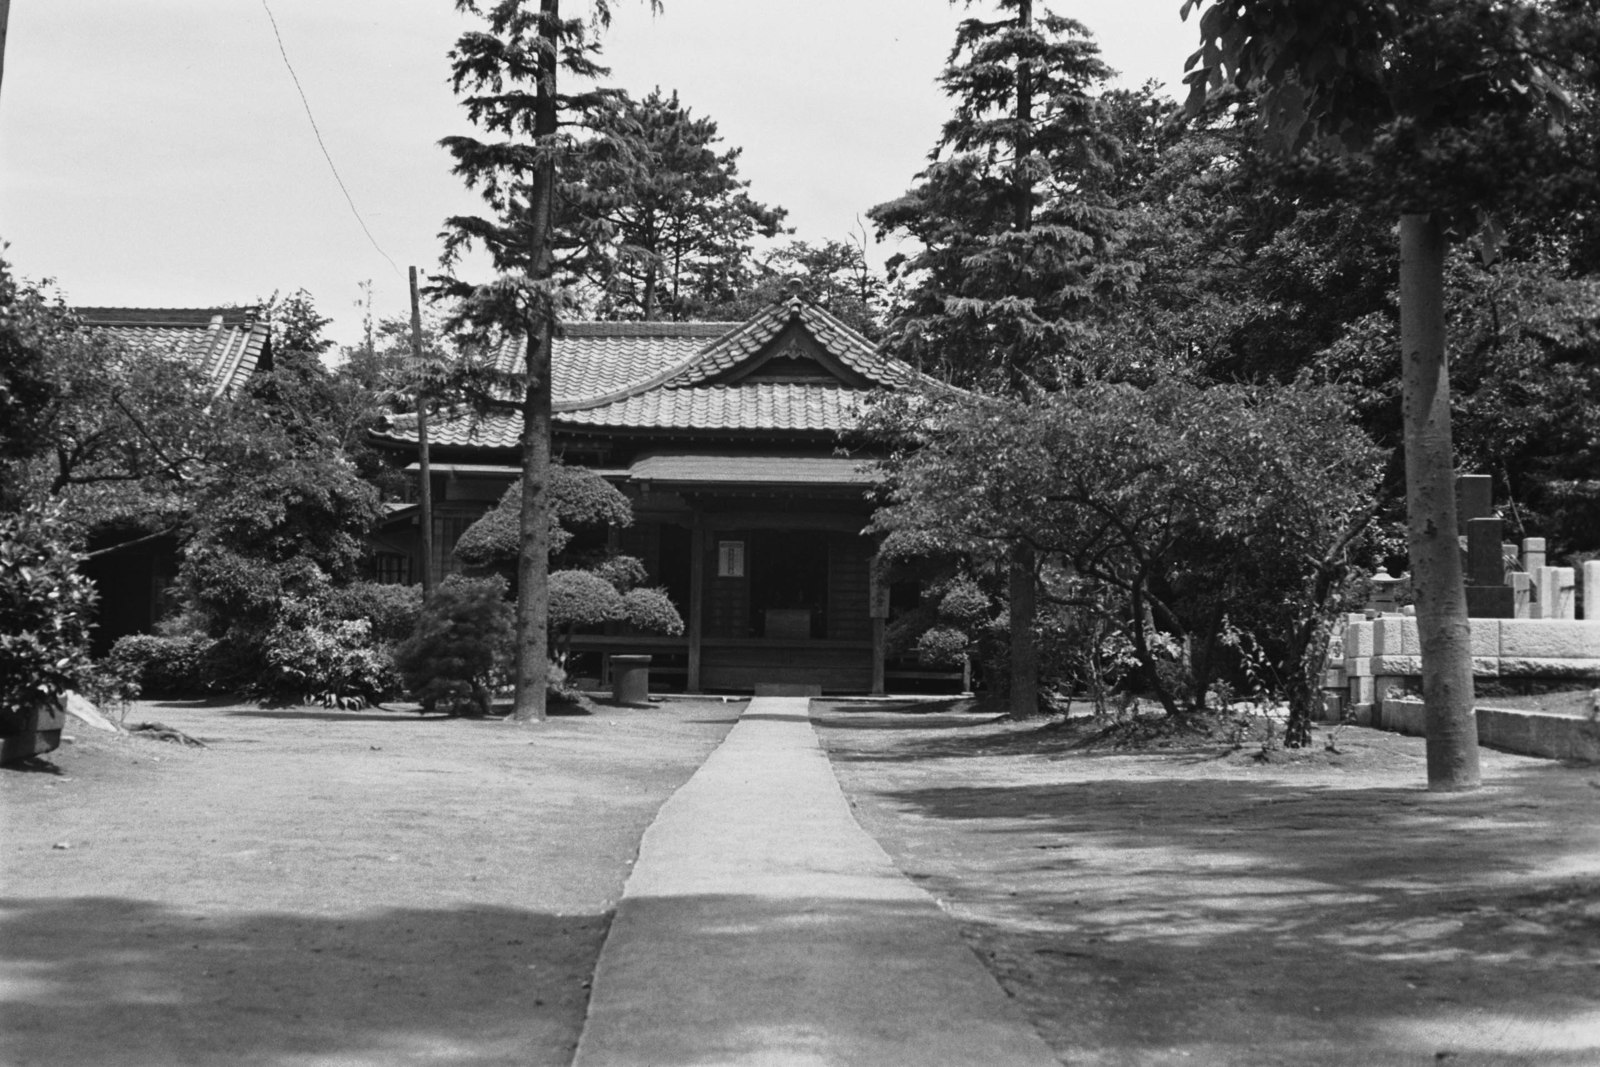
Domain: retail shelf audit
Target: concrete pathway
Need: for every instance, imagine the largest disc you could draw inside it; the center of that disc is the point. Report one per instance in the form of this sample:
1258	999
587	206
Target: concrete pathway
762	925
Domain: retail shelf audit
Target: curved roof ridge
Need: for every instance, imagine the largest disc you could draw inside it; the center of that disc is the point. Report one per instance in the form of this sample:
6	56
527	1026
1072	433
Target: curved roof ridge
650	328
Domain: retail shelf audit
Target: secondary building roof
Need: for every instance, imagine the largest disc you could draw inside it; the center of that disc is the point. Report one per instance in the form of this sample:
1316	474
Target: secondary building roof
227	345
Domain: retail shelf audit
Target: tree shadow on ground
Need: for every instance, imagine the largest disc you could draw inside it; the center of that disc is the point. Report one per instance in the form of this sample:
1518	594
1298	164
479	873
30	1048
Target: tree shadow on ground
305	714
1260	919
1044	736
953	714
115	981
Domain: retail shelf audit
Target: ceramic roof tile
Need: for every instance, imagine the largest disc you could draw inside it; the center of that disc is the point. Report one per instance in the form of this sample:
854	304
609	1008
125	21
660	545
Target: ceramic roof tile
224	344
748	407
593	361
844	343
661	375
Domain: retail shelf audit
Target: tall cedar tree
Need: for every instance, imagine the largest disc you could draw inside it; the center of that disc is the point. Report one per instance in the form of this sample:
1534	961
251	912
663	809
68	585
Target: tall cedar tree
1015	244
1460	106
508	76
679	221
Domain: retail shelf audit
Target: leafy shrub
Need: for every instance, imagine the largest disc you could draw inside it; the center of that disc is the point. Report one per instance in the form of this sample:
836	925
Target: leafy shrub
392	610
623	572
308	657
44	612
942	646
578	498
582	598
461	647
966	605
652	611
161	665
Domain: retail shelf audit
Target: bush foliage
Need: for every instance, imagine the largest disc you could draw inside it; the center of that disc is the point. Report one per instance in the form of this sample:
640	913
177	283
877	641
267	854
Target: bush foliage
45	607
309	657
162	665
461	647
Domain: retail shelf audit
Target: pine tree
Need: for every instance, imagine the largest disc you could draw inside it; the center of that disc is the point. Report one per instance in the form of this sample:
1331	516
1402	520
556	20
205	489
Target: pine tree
508	74
1016	244
678	221
1017	240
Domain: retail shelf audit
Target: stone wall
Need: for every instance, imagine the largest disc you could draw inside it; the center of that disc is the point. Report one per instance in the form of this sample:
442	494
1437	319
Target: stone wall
1531	733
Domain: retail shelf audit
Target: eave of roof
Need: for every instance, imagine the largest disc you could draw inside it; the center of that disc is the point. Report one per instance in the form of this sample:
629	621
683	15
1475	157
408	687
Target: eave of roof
676	468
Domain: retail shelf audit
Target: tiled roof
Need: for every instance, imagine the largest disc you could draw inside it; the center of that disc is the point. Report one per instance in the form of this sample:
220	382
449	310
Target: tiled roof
752	406
842	342
747	407
224	344
596	360
674	376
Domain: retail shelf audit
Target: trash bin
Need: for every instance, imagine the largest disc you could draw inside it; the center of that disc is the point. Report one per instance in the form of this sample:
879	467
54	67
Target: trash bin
630	679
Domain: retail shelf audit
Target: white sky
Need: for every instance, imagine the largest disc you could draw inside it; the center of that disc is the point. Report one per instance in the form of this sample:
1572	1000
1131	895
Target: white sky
154	153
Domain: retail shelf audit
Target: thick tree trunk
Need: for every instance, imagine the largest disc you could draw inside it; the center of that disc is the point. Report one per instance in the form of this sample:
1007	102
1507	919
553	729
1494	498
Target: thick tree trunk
1436	576
1022	613
533	557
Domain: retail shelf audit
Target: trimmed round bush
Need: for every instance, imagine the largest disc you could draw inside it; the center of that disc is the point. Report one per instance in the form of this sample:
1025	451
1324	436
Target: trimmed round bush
161	665
392	610
652	611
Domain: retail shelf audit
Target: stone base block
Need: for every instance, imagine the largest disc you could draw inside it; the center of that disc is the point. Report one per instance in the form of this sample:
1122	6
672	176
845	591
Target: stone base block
1491	602
1533	667
1531	733
1550	639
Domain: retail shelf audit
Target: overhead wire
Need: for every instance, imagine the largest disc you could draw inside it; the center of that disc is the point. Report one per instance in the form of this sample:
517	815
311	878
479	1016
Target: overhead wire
284	52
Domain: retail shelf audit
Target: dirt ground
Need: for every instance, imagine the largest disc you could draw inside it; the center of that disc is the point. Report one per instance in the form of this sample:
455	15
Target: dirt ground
325	887
321	887
1196	905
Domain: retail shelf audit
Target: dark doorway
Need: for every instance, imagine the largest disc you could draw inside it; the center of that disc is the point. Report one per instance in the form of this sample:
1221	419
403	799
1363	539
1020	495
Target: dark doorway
675	566
789	583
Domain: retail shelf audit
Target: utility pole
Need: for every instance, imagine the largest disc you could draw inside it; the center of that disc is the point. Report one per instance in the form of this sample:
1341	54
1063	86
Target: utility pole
5	17
425	495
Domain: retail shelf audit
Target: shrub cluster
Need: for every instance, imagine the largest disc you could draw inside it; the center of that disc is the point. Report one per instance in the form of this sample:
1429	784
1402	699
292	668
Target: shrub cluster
44	612
162	665
309	658
461	648
334	646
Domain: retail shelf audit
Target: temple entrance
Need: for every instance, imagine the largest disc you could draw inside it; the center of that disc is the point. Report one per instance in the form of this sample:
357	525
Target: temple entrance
789	584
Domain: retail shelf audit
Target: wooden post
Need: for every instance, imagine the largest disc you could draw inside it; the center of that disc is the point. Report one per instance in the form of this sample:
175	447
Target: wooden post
425	488
878	605
697	598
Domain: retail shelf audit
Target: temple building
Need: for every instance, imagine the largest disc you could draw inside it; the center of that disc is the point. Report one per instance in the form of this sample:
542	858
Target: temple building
724	436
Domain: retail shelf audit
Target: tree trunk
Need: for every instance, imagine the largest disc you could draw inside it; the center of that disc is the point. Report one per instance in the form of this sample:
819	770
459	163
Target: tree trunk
1441	600
533	556
1022	612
